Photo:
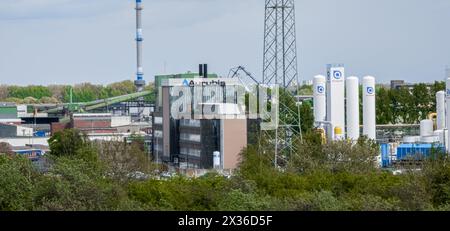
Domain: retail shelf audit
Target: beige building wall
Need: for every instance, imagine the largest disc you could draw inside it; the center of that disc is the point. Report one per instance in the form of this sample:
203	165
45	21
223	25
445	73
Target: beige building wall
234	139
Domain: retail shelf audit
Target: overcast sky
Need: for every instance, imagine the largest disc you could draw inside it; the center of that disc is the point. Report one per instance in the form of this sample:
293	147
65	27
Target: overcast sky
73	41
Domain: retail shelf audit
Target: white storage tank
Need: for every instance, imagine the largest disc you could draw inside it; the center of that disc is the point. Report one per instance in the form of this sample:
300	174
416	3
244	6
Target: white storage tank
352	90
440	110
320	98
426	128
335	98
369	108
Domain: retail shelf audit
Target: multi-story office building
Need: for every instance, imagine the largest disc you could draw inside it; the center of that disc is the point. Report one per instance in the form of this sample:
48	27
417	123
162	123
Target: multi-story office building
191	143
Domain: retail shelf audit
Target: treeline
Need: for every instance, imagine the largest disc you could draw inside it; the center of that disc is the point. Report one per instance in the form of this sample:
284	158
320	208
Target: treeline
406	105
83	175
84	92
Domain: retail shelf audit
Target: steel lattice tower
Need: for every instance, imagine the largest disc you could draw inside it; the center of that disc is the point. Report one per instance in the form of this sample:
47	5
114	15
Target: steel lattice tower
280	48
280	67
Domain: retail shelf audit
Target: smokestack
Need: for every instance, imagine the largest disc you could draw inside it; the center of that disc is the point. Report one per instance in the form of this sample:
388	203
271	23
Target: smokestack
200	70
369	107
139	82
205	70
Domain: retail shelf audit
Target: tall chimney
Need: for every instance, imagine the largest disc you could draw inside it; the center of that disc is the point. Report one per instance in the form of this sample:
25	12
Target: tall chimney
139	82
200	70
205	70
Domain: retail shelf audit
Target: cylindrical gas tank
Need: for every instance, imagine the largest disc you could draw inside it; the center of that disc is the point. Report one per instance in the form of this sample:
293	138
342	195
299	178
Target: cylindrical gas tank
369	107
426	128
320	99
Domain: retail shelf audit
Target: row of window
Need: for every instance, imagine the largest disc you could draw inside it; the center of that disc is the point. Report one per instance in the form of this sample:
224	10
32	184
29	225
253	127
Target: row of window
190	137
185	165
190	123
190	152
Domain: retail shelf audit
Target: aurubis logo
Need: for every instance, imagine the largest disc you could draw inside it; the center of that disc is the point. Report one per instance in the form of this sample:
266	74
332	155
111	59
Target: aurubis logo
337	74
320	89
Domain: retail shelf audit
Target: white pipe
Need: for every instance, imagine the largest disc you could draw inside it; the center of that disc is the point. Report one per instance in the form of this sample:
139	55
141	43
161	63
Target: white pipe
352	89
440	110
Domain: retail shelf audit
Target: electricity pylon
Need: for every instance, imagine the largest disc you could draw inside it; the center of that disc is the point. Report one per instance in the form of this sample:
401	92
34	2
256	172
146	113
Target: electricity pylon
280	68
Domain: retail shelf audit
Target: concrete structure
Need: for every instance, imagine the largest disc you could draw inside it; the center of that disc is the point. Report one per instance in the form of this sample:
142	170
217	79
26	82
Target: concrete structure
369	107
335	98
320	98
440	110
352	89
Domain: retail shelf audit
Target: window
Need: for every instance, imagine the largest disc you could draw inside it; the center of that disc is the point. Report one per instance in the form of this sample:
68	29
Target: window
158	134
190	137
185	165
158	120
190	152
190	123
195	152
158	148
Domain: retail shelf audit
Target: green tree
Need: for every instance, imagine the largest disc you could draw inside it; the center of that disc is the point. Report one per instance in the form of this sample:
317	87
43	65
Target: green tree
307	117
16	183
28	91
404	105
306	90
72	143
422	102
384	107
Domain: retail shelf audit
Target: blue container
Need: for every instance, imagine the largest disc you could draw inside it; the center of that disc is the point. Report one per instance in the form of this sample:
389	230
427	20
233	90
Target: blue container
385	155
418	151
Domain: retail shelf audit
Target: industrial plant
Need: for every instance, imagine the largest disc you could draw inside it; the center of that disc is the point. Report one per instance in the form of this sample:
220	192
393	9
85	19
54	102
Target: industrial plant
344	109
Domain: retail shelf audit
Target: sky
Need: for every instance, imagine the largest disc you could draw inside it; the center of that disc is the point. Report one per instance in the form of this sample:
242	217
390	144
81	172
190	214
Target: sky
73	41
